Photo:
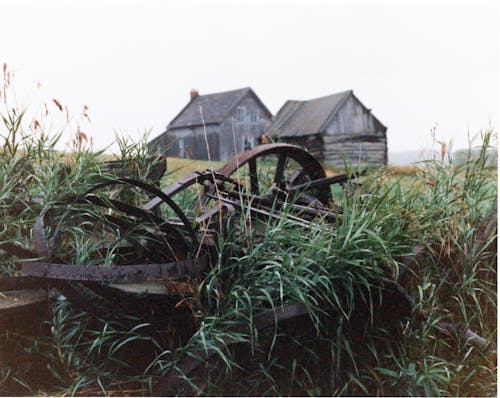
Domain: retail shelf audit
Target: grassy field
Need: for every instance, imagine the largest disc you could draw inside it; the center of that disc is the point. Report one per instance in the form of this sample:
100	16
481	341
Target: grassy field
178	168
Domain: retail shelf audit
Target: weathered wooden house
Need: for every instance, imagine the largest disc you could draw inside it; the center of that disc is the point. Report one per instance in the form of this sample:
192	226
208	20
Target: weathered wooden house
333	128
227	122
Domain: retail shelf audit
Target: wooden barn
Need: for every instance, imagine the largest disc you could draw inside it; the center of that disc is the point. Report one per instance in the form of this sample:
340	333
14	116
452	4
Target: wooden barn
229	122
332	128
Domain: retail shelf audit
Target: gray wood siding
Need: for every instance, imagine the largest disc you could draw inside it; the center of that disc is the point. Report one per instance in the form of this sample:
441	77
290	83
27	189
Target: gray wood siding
224	140
312	143
234	132
354	134
189	143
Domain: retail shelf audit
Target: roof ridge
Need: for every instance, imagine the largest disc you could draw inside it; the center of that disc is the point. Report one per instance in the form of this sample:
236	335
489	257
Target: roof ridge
180	113
308	117
228	98
323	96
225	92
340	104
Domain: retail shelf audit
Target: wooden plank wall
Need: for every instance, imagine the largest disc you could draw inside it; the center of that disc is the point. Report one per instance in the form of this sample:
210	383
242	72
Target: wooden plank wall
356	134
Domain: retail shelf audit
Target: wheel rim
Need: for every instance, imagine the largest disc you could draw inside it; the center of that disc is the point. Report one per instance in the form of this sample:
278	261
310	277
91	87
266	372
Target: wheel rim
310	169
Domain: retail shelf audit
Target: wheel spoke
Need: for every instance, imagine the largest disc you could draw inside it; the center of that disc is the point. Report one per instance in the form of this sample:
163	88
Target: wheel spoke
254	179
280	167
298	177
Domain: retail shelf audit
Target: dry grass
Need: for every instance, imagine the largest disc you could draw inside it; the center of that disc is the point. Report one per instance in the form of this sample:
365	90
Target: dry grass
403	170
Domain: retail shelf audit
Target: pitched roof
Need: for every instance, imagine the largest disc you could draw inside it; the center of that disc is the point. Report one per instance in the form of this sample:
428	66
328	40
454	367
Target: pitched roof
298	118
214	107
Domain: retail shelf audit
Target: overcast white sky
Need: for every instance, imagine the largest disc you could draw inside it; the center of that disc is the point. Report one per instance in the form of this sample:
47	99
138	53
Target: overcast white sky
416	64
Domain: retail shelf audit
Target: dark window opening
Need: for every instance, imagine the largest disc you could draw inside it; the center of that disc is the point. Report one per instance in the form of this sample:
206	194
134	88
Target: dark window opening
254	116
241	114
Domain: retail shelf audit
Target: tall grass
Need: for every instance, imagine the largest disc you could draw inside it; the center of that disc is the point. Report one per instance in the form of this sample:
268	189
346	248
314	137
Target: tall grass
36	175
352	341
331	268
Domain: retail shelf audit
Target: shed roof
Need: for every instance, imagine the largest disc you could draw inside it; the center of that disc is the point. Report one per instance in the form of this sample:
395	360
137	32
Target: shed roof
214	107
299	118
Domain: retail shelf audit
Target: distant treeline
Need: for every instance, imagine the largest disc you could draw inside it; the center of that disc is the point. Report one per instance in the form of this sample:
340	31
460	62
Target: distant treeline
458	157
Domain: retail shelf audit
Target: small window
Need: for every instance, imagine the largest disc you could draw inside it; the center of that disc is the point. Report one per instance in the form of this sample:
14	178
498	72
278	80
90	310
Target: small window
247	144
254	116
241	114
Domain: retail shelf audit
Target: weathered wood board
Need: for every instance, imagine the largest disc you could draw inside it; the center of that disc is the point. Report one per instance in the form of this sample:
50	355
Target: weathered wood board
22	309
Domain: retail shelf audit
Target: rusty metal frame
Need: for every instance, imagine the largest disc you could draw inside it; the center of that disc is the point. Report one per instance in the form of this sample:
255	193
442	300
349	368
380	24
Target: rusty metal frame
109	274
310	177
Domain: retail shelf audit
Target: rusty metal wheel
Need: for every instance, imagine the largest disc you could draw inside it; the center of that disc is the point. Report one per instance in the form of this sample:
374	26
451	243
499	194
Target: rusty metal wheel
143	237
269	168
143	247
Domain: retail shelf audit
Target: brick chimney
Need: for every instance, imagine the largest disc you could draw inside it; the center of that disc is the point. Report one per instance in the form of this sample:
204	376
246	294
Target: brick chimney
194	93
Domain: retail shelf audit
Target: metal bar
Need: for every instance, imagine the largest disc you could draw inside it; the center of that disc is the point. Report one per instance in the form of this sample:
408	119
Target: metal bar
129	273
338	179
270	202
238	204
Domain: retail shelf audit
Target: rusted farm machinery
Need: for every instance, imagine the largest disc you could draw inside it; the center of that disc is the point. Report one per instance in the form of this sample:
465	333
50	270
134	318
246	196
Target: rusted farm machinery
159	241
